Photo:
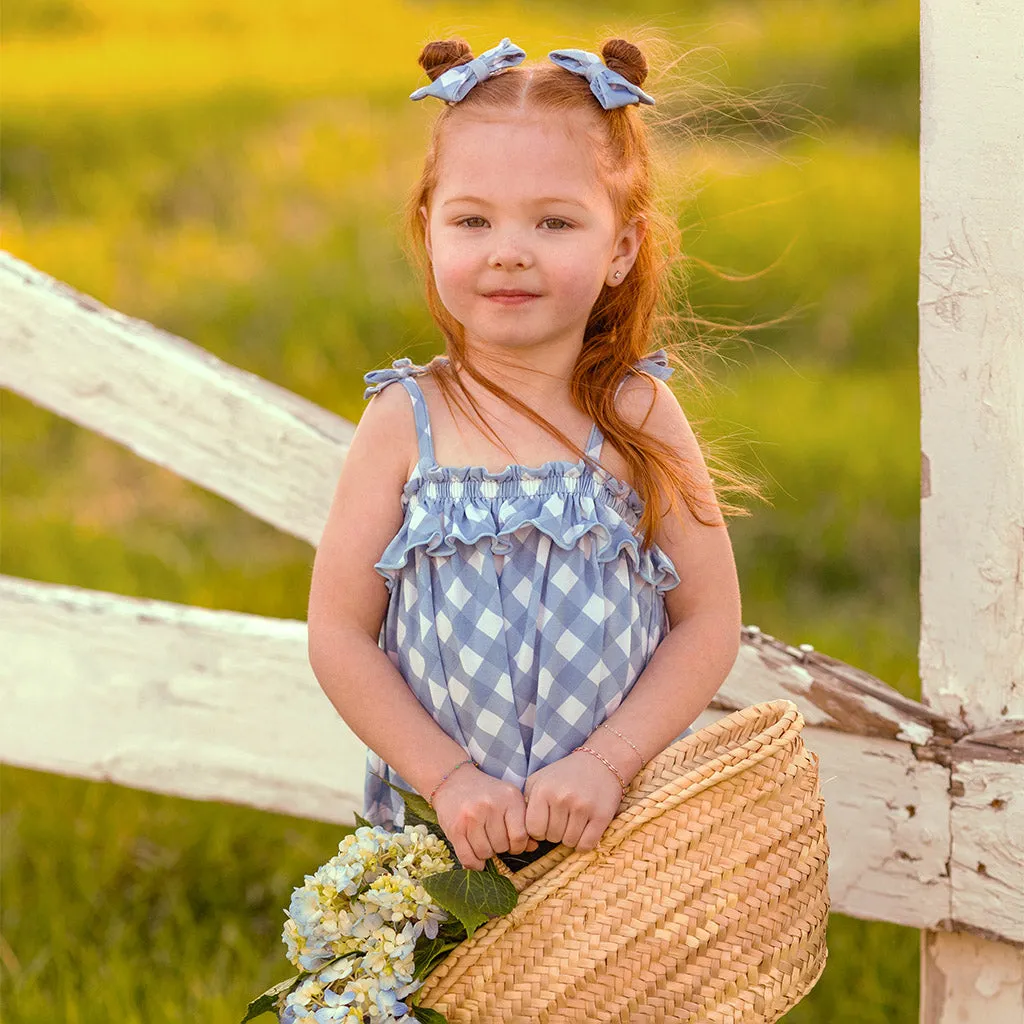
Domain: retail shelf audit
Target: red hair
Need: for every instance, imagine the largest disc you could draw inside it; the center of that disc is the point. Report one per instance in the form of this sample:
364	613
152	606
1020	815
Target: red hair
624	319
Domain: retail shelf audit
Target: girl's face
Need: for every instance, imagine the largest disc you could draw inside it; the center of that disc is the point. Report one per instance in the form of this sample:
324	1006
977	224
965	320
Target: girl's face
519	209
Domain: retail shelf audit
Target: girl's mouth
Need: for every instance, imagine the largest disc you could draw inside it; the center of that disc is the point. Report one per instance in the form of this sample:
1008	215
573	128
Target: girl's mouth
511	298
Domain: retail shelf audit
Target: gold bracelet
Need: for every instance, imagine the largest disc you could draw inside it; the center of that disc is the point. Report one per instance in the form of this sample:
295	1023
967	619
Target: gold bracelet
630	742
468	760
605	761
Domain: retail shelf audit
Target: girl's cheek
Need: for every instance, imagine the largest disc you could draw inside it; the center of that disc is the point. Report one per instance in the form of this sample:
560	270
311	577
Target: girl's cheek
454	286
455	274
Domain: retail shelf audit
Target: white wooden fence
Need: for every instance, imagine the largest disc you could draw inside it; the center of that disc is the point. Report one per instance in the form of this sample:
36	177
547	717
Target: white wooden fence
924	802
971	316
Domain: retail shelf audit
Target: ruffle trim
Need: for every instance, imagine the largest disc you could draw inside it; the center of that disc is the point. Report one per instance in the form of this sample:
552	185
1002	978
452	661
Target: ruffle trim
564	500
467	505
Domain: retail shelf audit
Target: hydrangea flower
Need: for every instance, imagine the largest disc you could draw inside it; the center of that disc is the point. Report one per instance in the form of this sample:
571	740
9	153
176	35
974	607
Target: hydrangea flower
354	923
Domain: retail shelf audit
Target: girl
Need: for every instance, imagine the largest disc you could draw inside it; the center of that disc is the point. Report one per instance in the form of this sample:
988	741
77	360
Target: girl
525	588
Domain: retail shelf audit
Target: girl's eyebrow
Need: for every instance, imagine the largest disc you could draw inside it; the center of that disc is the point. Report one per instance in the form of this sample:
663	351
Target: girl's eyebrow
545	200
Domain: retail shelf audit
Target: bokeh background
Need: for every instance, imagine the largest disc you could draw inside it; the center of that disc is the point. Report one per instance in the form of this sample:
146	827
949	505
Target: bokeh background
233	172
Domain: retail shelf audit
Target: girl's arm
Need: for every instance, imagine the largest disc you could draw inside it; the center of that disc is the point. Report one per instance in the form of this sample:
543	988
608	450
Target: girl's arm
692	661
348	600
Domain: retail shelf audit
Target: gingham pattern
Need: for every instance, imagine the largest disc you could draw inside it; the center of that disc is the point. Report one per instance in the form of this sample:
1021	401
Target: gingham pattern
521	609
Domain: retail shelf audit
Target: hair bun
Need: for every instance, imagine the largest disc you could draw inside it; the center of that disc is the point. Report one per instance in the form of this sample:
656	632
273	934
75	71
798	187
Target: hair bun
437	57
625	58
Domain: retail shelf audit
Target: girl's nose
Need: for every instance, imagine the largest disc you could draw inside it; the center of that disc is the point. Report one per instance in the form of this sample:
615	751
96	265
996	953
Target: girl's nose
509	254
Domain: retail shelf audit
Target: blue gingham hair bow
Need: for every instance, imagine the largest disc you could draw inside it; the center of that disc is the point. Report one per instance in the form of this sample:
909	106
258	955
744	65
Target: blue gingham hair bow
456	82
610	88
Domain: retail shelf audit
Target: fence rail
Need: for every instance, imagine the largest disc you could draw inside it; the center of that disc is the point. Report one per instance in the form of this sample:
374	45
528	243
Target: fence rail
222	705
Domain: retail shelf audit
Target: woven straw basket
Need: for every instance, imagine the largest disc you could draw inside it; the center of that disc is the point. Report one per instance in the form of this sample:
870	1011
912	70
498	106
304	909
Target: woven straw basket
705	901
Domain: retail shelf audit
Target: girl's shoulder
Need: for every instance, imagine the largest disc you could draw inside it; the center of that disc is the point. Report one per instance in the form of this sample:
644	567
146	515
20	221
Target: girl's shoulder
653	407
638	392
377	380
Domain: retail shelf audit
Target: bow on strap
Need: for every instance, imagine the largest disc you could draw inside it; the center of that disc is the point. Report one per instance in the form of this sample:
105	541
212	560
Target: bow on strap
610	88
656	364
453	85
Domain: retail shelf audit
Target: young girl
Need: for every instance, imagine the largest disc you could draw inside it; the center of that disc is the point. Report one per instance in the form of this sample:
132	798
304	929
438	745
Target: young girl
525	588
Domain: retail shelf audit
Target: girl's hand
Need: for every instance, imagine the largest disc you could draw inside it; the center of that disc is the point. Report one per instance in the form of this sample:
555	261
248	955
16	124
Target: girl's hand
482	816
572	801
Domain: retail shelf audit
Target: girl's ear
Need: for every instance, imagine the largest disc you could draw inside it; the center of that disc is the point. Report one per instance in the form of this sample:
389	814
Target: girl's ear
426	230
627	246
631	237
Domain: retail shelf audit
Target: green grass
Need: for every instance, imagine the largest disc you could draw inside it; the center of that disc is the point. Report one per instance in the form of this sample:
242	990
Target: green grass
147	909
237	180
834	561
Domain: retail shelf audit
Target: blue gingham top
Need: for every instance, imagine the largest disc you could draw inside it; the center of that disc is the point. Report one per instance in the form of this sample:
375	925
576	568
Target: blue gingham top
521	608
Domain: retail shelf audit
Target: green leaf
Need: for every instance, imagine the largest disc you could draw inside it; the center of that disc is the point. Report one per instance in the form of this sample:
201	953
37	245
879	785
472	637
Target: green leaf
472	896
362	822
413	802
452	930
267	1003
412	818
424	1013
430	952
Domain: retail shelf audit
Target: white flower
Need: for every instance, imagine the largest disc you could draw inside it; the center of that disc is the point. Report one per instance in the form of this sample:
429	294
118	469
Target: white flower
391	952
340	970
367	906
305	907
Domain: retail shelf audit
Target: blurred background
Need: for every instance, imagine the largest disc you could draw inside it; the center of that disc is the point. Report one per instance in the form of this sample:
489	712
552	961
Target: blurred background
234	172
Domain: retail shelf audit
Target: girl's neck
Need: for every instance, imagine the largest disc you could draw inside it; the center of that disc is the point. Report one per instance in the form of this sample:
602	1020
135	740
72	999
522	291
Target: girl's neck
539	378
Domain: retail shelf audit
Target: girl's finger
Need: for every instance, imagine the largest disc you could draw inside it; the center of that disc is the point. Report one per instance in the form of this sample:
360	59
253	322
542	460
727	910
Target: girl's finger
558	818
537	817
476	840
592	834
497	833
467	858
575	828
518	837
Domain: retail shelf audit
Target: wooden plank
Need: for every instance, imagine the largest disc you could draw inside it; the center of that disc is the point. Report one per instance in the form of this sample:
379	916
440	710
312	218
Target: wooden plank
212	705
987	827
217	705
833	694
887	817
995	971
261	447
278	456
972	466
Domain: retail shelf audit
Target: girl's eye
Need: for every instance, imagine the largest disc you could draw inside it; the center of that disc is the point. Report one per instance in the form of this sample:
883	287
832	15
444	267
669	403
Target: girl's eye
559	224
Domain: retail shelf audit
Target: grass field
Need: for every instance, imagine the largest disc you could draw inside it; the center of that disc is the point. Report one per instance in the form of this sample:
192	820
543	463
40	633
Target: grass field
235	177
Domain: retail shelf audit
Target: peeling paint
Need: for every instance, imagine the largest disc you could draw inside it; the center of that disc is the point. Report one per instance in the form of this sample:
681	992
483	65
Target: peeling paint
914	732
802	675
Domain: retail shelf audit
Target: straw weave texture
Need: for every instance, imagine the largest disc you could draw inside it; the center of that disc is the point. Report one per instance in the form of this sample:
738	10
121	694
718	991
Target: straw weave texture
705	901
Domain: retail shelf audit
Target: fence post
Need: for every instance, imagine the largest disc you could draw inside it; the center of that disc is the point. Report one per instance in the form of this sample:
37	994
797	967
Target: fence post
971	312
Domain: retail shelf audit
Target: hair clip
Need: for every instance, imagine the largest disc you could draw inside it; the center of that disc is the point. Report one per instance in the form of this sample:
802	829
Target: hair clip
453	85
610	88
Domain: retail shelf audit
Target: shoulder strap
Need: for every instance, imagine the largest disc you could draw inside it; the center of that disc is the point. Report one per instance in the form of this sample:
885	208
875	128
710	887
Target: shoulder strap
655	364
406	370
594	443
422	417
